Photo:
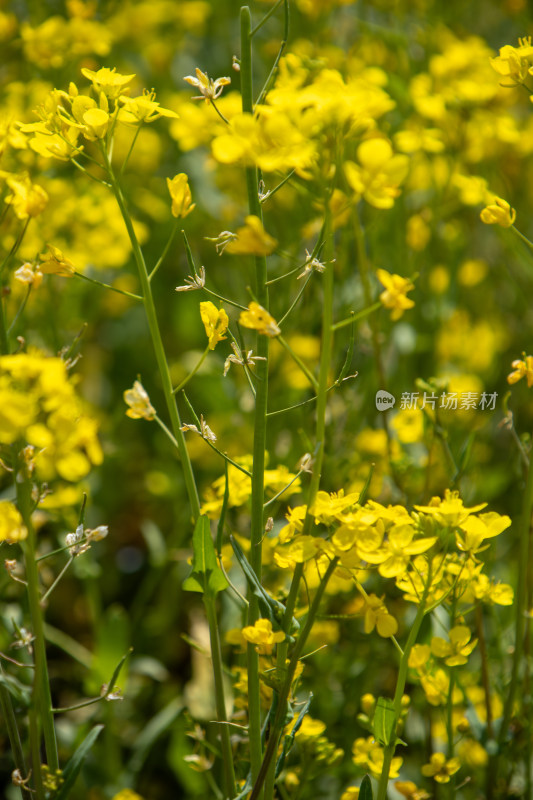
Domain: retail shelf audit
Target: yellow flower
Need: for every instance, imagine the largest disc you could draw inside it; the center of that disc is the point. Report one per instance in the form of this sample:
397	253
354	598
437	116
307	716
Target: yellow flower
252	239
522	369
127	794
28	199
108	81
456	651
411	791
377	616
514	62
55	263
258	319
29	274
209	89
475	530
12	528
450	511
378	174
143	109
439	769
215	322
139	403
180	193
368	754
499	212
395	294
262	635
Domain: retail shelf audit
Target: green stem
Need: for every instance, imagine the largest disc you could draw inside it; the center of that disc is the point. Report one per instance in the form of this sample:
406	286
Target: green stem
267	772
165	250
186	380
520	605
400	688
356	316
157	341
107	286
310	377
216	656
42	695
13	733
261	396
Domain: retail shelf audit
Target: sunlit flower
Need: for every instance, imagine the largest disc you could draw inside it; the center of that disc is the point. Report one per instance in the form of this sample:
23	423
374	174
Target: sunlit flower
139	403
257	318
180	192
144	108
56	263
499	212
108	81
395	294
522	369
215	323
209	89
440	769
514	62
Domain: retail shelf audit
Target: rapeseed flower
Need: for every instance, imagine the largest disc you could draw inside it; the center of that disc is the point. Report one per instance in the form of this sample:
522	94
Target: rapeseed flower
180	192
209	89
457	649
215	323
378	174
395	294
441	769
56	263
12	528
262	636
27	199
251	239
499	212
257	318
139	403
522	369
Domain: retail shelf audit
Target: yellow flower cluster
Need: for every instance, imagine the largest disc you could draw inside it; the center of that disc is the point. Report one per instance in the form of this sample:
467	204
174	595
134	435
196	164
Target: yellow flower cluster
39	407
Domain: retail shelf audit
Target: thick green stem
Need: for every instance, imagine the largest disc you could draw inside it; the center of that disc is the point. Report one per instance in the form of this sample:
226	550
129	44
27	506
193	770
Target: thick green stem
41	687
216	656
400	688
260	416
157	342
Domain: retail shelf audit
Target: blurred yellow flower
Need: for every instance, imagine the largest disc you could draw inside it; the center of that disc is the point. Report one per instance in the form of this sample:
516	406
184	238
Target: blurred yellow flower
29	274
215	322
127	794
55	263
139	403
499	212
12	528
378	174
395	294
144	108
257	318
252	239
440	769
522	369
27	199
180	192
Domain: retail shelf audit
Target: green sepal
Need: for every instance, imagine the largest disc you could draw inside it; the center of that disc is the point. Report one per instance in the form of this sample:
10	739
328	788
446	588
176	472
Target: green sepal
384	721
206	576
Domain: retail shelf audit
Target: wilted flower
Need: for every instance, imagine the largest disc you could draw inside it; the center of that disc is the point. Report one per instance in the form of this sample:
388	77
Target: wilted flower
257	318
522	369
56	263
139	403
209	89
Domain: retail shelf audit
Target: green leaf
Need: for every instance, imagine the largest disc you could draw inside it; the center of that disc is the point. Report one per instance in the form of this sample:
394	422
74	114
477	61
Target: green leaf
384	721
365	791
206	576
71	771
